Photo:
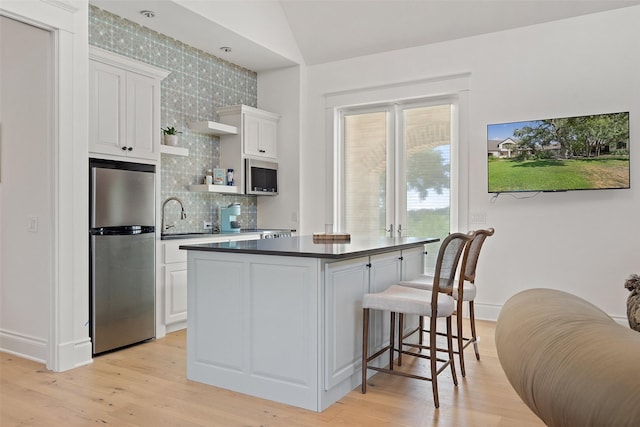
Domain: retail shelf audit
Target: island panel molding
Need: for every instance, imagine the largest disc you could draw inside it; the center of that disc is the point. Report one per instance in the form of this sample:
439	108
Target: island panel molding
252	335
280	318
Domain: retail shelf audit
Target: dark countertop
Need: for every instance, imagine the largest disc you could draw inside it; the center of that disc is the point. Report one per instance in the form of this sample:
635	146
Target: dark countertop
305	246
177	236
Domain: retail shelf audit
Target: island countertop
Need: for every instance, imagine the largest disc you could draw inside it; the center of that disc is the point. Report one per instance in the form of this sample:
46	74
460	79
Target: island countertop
307	246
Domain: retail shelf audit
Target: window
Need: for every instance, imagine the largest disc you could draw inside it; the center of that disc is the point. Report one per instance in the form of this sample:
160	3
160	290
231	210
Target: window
395	169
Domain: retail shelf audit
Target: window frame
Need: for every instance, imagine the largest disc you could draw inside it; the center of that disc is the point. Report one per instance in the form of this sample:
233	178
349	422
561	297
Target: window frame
456	85
396	161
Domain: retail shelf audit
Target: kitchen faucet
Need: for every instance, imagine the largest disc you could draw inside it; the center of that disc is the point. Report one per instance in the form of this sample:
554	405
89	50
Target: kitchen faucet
183	215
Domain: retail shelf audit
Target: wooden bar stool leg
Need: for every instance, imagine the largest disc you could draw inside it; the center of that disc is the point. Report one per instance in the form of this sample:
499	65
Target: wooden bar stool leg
432	359
474	337
365	346
392	328
460	338
451	354
400	337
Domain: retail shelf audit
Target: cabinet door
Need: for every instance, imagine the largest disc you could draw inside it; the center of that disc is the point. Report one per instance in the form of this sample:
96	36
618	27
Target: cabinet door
259	137
412	266
385	271
142	128
175	293
107	91
251	135
413	263
268	135
345	284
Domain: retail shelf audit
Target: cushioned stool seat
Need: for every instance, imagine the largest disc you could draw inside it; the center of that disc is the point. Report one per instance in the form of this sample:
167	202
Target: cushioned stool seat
401	299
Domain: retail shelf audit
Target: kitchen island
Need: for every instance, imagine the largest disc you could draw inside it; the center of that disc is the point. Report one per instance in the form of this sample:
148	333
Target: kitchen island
281	319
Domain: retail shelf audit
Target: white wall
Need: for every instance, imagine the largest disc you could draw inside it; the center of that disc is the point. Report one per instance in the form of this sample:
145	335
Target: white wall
279	92
26	259
580	242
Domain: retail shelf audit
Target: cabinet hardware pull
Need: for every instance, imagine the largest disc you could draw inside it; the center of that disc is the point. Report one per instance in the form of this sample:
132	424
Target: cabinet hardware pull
426	253
130	148
124	148
401	258
368	265
262	151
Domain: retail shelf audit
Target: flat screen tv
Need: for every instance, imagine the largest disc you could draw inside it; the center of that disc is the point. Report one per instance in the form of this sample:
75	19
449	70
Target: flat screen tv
561	154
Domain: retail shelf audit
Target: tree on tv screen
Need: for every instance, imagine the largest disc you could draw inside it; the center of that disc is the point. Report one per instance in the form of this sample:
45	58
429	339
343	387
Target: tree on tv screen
585	136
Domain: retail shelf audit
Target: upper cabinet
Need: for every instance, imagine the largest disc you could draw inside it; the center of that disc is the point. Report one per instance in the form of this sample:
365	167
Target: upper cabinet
124	107
260	136
256	139
258	130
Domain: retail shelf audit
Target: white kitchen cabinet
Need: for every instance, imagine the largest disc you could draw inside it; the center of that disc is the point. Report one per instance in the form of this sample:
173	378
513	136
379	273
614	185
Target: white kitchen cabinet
260	134
173	270
175	293
413	261
346	282
124	107
282	323
256	139
258	130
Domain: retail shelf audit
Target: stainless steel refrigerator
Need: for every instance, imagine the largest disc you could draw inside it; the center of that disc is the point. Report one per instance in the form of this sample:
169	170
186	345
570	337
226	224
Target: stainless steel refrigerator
122	253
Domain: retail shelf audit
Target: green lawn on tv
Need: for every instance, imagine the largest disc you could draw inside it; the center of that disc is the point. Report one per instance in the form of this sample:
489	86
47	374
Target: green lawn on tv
558	174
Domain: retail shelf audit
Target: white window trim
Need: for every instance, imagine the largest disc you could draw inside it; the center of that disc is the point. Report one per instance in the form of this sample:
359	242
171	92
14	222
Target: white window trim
451	88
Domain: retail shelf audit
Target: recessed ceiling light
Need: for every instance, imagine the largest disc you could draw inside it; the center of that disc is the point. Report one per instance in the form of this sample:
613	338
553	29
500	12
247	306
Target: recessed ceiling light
147	13
225	49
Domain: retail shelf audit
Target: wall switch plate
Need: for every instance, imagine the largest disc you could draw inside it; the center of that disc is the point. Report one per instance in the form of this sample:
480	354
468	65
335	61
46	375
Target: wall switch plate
207	225
478	218
33	224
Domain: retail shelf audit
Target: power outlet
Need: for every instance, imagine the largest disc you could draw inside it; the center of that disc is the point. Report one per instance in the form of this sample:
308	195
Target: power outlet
207	225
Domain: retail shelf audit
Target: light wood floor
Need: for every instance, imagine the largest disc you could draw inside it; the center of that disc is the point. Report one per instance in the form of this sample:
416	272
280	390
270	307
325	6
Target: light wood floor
146	385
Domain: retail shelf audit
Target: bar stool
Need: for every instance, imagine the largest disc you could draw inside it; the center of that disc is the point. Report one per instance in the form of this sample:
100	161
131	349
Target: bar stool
464	290
435	303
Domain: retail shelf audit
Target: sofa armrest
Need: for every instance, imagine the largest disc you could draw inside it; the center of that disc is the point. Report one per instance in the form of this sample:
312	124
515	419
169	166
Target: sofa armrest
569	361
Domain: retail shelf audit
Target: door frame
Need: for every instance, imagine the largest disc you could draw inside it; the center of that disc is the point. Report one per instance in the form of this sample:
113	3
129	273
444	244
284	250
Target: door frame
68	343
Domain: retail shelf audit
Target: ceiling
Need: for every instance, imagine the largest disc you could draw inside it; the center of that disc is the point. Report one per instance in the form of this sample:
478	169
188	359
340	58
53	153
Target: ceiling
328	30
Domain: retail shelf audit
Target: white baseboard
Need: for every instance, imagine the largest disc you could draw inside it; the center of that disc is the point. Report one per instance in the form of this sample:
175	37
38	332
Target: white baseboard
176	326
487	311
492	311
73	354
24	346
70	355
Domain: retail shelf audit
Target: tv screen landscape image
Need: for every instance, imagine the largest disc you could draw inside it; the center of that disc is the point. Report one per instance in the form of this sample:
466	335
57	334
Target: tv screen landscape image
561	154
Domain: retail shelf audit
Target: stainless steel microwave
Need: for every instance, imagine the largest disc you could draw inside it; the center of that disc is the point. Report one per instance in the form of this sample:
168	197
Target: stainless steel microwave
261	177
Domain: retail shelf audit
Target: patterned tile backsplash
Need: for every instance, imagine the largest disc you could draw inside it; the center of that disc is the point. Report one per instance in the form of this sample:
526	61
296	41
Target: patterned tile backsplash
198	84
